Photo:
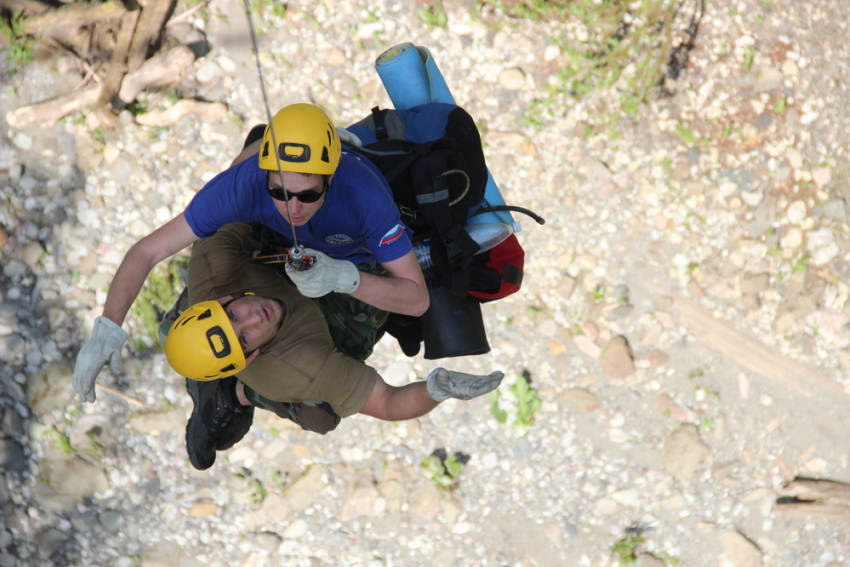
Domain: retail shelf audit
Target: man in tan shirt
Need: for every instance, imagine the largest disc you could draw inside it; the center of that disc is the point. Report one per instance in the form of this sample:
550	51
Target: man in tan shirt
291	366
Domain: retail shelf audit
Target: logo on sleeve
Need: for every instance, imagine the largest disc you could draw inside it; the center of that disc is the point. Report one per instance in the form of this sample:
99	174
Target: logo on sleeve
393	235
338	239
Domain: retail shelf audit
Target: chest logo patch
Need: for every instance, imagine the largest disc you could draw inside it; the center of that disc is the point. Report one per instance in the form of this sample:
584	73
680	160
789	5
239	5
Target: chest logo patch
338	239
393	235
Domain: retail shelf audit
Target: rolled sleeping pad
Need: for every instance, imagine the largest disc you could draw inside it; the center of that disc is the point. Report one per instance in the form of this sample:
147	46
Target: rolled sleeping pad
411	77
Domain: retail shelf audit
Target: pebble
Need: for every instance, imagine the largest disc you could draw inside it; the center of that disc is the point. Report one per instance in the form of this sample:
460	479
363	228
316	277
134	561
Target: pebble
512	79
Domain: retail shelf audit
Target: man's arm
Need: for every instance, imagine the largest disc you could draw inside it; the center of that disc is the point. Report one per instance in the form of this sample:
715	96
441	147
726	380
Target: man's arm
391	403
108	337
410	401
404	291
140	260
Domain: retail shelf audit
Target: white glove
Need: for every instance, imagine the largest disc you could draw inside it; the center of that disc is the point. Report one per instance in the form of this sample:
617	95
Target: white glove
348	138
325	275
444	384
105	345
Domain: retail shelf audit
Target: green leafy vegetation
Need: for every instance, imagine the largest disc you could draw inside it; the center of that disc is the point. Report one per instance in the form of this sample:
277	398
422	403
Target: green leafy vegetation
161	290
625	46
442	470
495	410
59	438
527	402
433	16
625	549
20	44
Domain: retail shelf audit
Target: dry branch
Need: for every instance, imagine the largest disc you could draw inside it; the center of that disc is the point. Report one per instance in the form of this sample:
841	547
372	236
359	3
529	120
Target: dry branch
72	16
26	6
815	498
206	111
149	30
118	62
750	353
161	69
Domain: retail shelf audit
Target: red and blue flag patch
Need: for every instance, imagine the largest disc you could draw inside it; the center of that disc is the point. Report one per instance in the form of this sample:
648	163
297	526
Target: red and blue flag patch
393	235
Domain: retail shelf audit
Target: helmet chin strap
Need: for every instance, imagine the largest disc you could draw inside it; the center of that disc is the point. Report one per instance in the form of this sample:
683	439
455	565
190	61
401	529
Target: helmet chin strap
296	253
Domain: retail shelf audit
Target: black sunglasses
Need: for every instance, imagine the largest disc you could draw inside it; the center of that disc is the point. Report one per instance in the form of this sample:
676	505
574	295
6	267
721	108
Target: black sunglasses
304	196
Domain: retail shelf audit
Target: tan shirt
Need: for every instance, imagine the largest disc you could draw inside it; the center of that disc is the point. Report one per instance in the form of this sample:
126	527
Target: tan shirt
300	363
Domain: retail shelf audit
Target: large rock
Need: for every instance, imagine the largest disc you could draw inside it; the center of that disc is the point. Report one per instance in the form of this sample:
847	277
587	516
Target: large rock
740	551
65	483
685	451
168	554
361	498
617	359
51	388
157	422
300	494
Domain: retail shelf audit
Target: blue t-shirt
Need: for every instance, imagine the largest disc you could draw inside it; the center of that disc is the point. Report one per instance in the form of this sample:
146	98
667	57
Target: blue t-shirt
359	220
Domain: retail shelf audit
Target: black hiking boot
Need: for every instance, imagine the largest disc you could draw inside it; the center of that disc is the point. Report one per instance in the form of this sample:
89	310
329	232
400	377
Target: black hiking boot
216	411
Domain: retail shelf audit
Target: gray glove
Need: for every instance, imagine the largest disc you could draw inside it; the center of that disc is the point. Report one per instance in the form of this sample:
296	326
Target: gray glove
444	384
105	345
348	138
326	275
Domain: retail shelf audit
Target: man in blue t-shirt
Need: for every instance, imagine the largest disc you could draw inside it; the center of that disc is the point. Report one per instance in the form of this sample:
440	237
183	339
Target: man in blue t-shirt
339	206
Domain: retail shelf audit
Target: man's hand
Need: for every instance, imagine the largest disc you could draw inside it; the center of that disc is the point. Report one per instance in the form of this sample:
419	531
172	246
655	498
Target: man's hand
444	384
104	347
326	275
348	138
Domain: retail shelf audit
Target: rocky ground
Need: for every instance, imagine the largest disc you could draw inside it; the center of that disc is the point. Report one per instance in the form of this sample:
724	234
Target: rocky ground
683	318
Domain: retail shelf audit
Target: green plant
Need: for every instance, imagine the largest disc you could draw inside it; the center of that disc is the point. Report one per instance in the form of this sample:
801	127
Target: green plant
20	44
442	471
527	402
59	439
255	492
161	290
598	294
749	55
801	266
685	133
280	479
433	16
99	134
627	46
696	373
95	449
707	424
495	409
137	107
625	549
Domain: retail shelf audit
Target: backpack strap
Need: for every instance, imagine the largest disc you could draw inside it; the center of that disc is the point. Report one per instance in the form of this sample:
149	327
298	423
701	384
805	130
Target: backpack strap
433	197
379	122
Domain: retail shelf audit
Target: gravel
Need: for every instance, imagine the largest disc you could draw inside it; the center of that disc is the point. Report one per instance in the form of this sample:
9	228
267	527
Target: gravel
643	427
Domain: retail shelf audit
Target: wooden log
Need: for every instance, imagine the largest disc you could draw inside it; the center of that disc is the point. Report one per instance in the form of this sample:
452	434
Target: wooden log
27	7
206	111
118	61
162	69
149	30
750	353
72	16
815	498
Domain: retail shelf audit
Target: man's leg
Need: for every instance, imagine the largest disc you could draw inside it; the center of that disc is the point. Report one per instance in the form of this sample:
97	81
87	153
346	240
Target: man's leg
218	420
314	415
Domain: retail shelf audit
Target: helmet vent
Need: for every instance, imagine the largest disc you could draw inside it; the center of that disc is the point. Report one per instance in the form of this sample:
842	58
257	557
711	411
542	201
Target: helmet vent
325	157
186	320
205	315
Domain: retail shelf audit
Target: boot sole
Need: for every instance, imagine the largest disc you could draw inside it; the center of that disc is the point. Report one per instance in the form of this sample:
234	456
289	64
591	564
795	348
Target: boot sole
193	388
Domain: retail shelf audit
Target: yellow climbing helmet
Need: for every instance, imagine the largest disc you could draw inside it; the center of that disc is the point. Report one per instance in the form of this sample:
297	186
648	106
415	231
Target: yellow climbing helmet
306	139
202	345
